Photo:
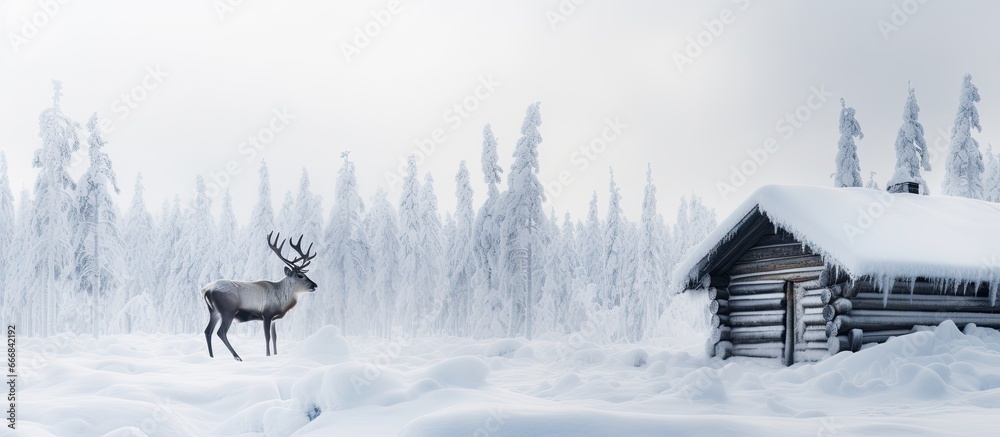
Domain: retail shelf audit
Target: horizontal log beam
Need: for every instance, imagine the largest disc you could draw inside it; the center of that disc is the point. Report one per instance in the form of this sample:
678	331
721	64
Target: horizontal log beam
784	250
919	287
743	288
923	302
757	304
883	336
718	307
776	264
814	319
758	318
814	333
793	275
746	335
885	320
816	298
721	333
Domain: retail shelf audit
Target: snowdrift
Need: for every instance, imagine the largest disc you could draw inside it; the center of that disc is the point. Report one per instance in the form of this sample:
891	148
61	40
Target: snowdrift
936	381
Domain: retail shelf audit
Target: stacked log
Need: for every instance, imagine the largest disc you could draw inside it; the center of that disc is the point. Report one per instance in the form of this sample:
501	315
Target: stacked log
756	311
812	341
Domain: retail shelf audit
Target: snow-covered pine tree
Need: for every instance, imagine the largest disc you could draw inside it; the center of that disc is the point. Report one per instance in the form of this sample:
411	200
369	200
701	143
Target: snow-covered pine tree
169	250
646	305
7	230
287	216
991	180
138	234
307	221
461	260
383	233
229	252
99	256
348	254
911	147
523	217
592	244
848	169
872	184
409	239
963	175
614	286
17	306
51	251
260	262
195	261
431	280
487	227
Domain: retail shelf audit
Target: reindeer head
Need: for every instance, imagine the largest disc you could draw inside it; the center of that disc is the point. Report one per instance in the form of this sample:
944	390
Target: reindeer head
295	270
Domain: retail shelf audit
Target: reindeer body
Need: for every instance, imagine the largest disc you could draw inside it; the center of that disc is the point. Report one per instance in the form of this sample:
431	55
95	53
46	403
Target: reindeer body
259	300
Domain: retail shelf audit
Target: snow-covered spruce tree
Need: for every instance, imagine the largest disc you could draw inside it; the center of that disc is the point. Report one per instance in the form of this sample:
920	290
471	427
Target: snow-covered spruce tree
487	226
139	236
409	240
287	216
431	280
6	237
17	305
872	184
848	169
646	305
99	256
461	260
167	250
592	244
383	233
911	147
228	245
569	315
523	217
260	261
307	222
682	231
694	222
348	255
51	251
963	175
991	181
614	286
195	262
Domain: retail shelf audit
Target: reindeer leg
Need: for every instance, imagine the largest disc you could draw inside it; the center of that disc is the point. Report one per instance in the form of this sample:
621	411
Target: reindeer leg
213	319
227	319
267	333
274	337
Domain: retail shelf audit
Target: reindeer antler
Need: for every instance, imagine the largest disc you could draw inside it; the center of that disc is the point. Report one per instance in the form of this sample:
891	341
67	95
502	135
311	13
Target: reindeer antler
303	258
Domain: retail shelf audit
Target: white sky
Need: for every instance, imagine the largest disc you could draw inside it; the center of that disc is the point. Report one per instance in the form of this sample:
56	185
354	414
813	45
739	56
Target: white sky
224	77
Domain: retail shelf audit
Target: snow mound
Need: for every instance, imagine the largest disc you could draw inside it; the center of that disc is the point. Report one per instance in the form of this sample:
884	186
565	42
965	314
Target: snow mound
325	346
503	348
469	372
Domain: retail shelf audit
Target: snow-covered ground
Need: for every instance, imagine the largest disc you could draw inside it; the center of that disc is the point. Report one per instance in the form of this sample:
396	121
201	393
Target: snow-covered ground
936	382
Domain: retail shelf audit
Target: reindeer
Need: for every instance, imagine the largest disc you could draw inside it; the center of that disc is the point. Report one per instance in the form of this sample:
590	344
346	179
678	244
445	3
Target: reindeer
260	300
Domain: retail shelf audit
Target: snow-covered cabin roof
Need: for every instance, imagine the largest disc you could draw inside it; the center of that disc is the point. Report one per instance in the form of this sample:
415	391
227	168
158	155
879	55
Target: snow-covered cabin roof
871	233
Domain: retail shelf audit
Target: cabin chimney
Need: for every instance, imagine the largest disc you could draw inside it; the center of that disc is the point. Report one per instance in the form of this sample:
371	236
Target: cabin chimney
905	187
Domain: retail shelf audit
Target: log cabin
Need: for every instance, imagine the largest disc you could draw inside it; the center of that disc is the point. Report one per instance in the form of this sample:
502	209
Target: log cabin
800	273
